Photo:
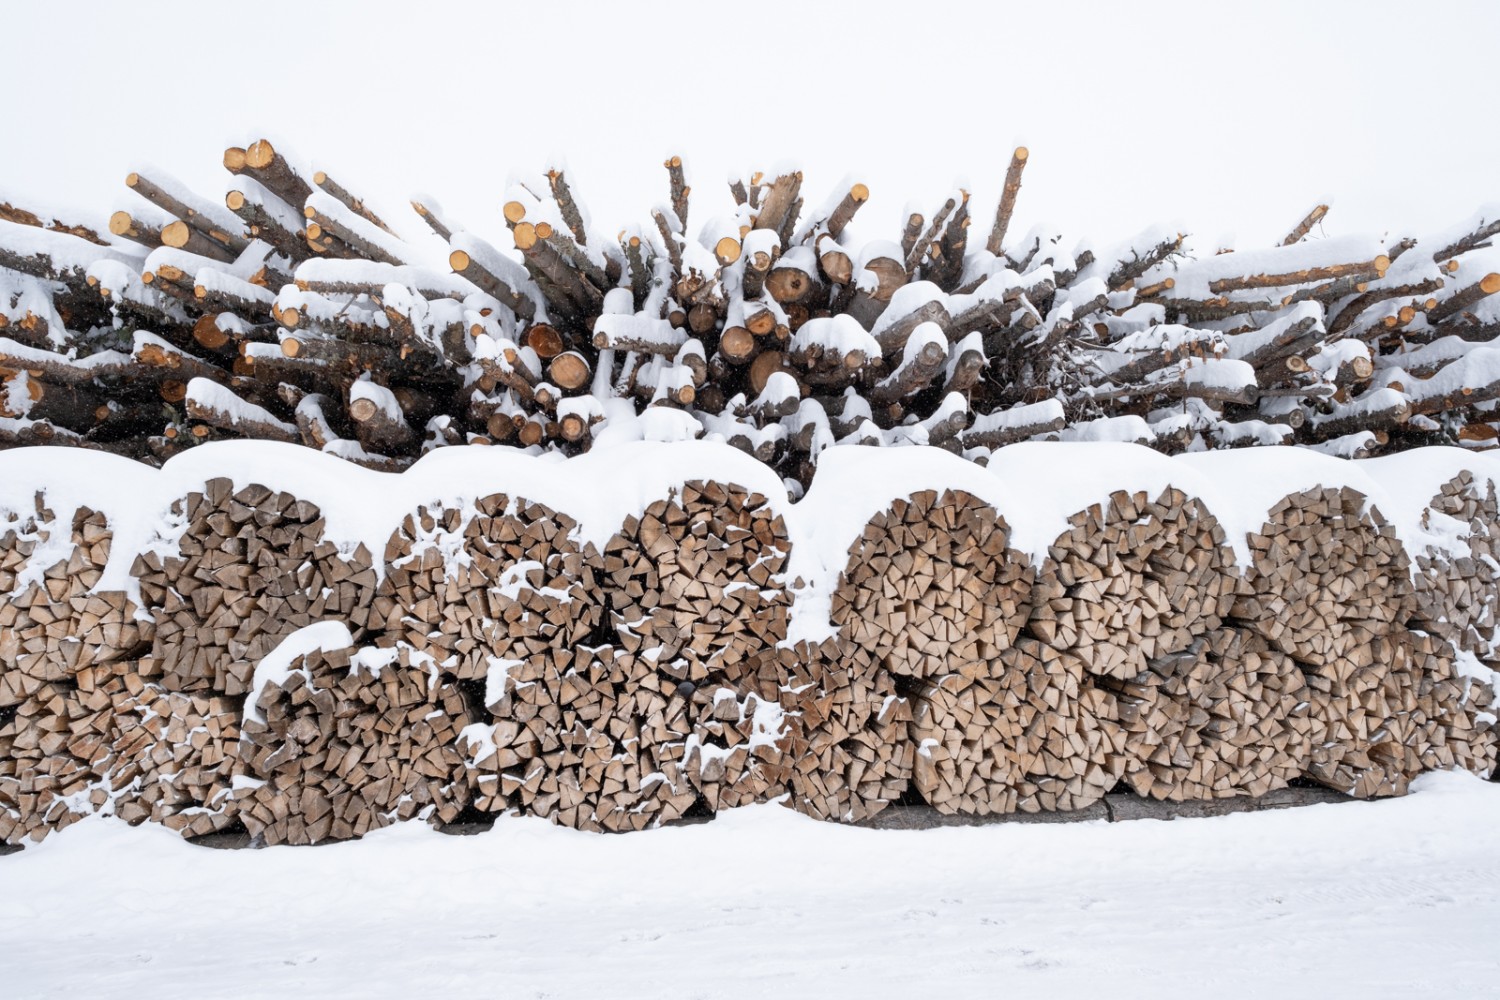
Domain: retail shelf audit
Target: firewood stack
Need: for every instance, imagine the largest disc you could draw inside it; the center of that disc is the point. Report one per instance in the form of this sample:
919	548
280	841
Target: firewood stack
56	748
176	756
1132	580
506	610
1031	735
251	568
848	750
1227	716
56	624
1329	586
695	593
294	310
1457	596
351	740
933	594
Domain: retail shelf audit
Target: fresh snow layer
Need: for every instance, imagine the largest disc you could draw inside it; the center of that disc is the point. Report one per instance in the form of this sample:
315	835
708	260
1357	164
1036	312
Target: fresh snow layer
1352	900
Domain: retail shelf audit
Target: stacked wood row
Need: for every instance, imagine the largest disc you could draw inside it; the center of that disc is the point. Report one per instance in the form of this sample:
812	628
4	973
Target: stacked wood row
1458	594
56	622
249	567
933	594
1132	580
293	309
1031	734
56	749
350	741
695	594
494	662
848	751
1327	575
501	594
1225	717
176	755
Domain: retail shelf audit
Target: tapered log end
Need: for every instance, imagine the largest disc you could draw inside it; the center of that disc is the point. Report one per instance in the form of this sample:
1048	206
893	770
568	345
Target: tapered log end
459	261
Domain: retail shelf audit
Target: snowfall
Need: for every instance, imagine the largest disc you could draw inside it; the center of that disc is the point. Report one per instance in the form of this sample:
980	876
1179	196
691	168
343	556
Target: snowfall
1357	899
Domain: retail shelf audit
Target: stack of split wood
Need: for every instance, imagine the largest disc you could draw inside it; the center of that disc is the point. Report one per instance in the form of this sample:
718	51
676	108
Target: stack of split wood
250	567
500	593
848	751
348	740
293	309
64	646
1458	596
1329	585
498	661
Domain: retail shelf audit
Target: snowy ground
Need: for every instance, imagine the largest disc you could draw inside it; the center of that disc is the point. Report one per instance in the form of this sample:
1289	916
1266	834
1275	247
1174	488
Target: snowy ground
1398	898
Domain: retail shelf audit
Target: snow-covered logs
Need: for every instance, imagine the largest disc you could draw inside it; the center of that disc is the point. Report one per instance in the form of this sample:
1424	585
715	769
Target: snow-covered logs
296	311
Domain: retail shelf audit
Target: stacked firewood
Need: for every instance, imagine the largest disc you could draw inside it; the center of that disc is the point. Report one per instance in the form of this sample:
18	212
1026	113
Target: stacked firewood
1458	597
496	661
294	310
249	568
350	740
848	751
679	703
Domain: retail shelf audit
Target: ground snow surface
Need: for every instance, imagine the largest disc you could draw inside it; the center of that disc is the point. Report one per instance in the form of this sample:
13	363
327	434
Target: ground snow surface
1396	898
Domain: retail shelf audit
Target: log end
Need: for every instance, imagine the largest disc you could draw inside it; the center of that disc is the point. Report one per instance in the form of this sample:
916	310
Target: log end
259	154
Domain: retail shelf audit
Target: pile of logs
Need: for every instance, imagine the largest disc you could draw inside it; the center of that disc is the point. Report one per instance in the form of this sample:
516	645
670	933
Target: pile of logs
495	661
293	310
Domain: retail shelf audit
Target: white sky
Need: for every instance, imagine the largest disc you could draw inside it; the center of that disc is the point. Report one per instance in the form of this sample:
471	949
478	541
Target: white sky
1227	121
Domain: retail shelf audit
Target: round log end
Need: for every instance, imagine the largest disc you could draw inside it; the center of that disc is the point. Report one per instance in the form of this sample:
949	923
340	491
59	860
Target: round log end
525	235
859	192
727	250
362	409
120	223
545	340
1022	153
291	347
1490	284
673	162
259	154
514	211
458	260
132	179
569	370
175	234
234	159
234	200
320	178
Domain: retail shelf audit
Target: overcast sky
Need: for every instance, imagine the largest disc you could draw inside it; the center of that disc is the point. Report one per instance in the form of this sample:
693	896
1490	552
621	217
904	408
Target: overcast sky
1223	120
